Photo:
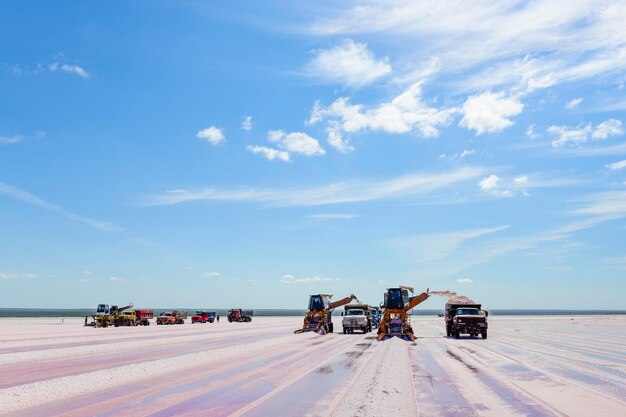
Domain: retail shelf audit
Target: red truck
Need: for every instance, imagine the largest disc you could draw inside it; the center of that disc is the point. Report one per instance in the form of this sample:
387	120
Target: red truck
143	316
203	317
239	315
172	317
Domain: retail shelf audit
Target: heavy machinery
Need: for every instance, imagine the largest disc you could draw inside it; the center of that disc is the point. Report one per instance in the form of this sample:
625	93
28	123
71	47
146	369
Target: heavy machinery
319	317
109	316
396	318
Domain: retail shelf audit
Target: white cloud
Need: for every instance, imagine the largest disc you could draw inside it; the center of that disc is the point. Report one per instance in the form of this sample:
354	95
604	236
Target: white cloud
247	123
467	152
489	112
521	180
11	275
214	135
572	104
336	139
72	69
582	133
269	153
296	142
609	203
571	136
5	140
333	216
211	275
87	273
464	281
529	45
530	132
349	63
291	279
434	247
617	165
407	186
116	279
405	113
28	198
607	129
489	183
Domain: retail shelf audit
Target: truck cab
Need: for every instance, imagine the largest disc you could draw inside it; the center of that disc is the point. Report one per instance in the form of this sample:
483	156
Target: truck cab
200	317
356	317
166	317
466	319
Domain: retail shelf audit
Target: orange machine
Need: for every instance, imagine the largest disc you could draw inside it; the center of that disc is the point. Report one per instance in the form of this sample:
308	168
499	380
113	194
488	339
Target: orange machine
319	317
396	317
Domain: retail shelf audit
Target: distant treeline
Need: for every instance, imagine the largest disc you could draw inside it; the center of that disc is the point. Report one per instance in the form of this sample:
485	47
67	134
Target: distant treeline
82	312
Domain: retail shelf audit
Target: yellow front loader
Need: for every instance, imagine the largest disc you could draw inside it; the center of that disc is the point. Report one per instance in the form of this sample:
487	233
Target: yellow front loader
319	316
396	317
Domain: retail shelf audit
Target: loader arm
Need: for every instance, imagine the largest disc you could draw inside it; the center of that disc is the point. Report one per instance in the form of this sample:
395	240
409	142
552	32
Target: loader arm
343	301
125	308
416	300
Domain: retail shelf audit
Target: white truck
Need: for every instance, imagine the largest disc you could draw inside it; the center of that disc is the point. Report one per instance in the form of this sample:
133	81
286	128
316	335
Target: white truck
356	317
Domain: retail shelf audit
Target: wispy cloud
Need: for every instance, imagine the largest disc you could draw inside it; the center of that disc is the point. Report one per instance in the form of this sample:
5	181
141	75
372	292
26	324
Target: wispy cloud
616	166
434	247
247	123
72	69
332	216
407	186
292	279
13	275
531	44
464	281
572	104
269	153
28	198
211	275
582	133
6	140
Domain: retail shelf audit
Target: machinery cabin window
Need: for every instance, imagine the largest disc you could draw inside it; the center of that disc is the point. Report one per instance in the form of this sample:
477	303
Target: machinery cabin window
355	313
467	312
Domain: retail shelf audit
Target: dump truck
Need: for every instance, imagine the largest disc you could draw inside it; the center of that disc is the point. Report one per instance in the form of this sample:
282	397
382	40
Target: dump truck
396	317
465	318
239	315
142	317
319	315
356	317
172	317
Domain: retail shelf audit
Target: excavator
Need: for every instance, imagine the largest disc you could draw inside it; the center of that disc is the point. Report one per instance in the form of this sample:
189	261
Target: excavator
112	316
319	317
396	319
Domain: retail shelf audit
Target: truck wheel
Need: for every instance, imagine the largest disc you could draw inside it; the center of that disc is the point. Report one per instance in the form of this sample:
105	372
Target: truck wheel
457	334
484	335
448	331
344	330
330	328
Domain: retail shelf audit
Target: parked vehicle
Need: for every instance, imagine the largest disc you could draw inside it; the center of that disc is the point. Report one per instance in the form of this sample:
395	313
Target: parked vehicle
200	317
239	315
356	317
375	312
211	316
172	317
466	319
143	317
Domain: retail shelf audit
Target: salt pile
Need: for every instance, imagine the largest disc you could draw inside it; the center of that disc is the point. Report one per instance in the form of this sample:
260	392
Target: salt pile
454	298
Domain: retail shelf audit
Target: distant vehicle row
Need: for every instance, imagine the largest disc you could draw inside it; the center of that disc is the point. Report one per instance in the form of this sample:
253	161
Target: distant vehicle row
114	316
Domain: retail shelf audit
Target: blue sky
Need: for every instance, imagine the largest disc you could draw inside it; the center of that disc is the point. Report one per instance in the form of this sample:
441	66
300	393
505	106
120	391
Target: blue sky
251	153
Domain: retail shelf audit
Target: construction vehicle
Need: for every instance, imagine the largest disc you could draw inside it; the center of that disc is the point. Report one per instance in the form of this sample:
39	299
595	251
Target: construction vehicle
172	317
356	317
464	318
107	316
142	317
319	316
239	315
396	316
